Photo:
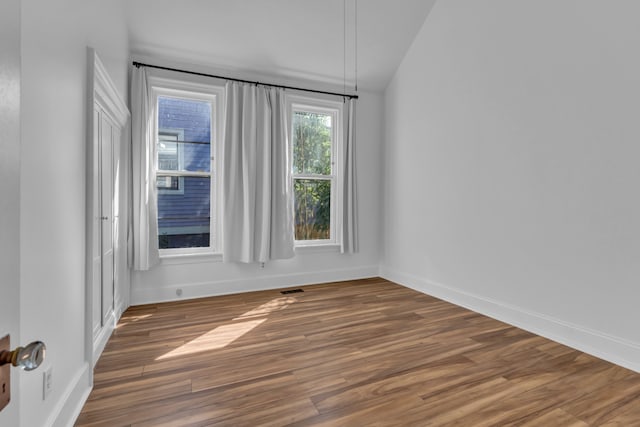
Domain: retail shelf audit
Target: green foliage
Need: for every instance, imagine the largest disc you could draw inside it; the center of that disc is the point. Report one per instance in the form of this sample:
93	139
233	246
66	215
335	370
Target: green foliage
311	143
313	209
312	155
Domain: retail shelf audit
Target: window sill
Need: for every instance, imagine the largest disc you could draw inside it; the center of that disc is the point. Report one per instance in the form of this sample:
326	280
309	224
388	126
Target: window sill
198	258
193	258
314	249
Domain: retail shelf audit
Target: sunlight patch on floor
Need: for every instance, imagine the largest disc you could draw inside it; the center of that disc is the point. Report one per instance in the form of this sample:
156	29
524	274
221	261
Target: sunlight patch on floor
217	338
268	308
224	335
132	319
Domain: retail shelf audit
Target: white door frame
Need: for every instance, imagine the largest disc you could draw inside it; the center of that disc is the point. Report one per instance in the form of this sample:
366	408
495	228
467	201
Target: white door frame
102	95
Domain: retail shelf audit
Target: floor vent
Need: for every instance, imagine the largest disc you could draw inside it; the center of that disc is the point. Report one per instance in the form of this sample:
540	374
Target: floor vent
291	291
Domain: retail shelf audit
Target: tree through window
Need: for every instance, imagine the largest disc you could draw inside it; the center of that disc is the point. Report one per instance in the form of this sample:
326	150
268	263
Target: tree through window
313	142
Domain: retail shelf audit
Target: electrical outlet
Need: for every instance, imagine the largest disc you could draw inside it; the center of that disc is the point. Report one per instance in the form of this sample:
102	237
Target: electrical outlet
5	375
47	382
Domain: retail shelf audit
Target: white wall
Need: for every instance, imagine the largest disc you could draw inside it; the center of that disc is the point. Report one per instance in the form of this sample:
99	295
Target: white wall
512	152
205	278
55	36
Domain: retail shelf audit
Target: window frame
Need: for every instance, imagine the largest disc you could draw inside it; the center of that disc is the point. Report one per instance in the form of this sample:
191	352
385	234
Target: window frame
179	133
164	87
334	108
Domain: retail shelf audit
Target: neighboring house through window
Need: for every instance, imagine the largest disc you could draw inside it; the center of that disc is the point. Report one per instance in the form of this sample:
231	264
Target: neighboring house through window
170	158
187	124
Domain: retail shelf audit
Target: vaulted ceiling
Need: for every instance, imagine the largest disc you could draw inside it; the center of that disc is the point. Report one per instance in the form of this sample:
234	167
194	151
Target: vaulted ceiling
301	40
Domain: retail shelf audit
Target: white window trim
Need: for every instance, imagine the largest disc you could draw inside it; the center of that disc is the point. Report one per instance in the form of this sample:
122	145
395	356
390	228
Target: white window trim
190	258
336	109
161	86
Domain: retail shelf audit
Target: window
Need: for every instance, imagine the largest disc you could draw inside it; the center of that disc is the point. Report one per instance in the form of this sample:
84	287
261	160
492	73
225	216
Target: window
170	158
315	138
186	171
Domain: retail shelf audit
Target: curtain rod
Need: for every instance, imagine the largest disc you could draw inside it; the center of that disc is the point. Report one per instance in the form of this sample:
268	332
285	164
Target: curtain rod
140	64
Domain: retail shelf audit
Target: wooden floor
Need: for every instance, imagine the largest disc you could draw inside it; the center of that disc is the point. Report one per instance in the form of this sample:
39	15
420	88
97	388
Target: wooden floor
358	353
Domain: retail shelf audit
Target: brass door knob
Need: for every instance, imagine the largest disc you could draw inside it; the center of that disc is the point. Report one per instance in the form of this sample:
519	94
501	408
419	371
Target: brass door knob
27	358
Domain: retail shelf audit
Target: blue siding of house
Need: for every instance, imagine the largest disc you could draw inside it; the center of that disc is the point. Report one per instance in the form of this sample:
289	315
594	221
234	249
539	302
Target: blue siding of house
191	116
189	207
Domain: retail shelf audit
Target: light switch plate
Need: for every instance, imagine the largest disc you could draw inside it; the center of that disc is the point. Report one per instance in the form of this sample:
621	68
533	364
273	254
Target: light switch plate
5	374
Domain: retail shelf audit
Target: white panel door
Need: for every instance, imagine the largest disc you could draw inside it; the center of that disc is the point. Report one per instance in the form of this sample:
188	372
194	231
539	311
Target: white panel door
108	117
102	277
10	193
95	230
106	209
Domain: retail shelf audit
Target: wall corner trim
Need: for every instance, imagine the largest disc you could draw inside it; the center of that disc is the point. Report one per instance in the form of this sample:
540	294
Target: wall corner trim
599	344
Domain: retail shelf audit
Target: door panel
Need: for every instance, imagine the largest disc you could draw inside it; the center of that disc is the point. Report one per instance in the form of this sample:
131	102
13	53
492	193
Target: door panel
96	251
10	192
106	190
119	250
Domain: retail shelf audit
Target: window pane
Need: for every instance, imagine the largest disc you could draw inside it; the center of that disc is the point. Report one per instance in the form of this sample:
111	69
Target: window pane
184	136
183	218
168	158
313	209
311	143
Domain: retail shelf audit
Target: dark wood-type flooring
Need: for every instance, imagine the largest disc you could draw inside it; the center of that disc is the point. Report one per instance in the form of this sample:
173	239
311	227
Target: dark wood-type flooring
358	353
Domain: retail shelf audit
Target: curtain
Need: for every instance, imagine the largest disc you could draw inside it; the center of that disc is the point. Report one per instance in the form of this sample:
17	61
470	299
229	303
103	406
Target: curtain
143	155
257	188
349	243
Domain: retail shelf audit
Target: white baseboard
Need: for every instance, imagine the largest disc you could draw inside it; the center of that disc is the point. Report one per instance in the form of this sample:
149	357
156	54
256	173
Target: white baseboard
103	335
599	344
74	398
257	283
120	307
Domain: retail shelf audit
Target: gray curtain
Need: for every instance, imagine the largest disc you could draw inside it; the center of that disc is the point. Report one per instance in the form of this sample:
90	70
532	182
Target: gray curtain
144	220
349	242
257	187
